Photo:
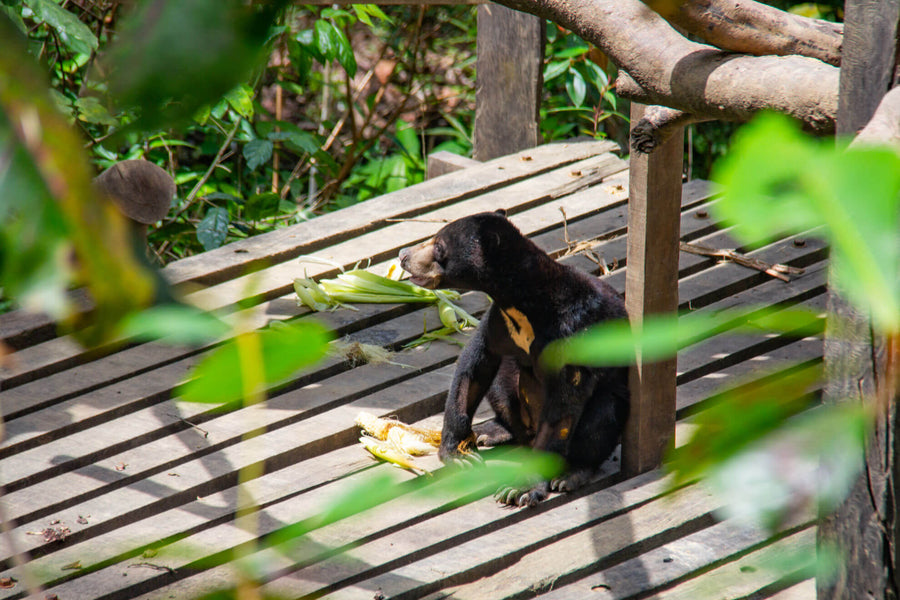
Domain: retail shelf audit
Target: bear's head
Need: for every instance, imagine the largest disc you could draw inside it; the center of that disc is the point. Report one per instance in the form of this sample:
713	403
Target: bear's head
469	253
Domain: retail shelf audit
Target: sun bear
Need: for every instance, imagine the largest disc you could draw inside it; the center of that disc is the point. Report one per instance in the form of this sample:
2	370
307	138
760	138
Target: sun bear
578	412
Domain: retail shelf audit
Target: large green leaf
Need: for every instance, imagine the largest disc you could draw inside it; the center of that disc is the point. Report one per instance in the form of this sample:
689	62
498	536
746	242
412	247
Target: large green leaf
213	229
72	32
232	372
257	152
174	324
662	336
259	206
776	180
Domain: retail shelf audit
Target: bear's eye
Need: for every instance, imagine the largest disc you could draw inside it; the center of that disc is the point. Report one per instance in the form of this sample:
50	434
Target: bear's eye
437	252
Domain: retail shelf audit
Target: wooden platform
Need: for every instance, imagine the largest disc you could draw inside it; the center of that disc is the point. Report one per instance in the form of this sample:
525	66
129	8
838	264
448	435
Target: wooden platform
96	446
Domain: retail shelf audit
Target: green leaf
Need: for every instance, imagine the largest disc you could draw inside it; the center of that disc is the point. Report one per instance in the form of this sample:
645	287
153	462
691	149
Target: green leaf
408	138
662	336
92	111
345	52
220	377
502	467
576	87
257	152
262	205
325	39
174	324
555	69
241	100
12	11
364	12
213	229
73	33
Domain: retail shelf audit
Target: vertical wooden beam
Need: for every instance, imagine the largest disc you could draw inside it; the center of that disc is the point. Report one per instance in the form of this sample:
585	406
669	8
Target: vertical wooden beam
864	528
509	80
651	287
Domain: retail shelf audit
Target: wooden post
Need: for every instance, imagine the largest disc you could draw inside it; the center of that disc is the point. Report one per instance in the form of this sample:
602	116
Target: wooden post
651	286
864	528
509	80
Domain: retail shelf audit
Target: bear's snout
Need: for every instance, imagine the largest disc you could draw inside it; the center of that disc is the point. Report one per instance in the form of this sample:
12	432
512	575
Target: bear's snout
404	258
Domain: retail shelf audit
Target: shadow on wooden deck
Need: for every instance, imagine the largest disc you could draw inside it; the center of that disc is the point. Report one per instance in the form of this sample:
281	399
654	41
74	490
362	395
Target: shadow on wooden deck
96	445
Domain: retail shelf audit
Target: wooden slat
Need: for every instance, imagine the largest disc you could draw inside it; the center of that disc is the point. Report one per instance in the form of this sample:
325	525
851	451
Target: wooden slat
651	287
752	573
443	162
545	548
653	571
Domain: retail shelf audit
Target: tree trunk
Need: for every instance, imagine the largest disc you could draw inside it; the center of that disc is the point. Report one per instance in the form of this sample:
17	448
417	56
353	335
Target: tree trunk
864	528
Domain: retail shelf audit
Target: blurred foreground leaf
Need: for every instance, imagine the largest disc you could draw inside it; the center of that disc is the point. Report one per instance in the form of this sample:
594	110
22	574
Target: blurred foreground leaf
174	324
227	373
659	337
777	180
171	58
805	468
740	417
47	203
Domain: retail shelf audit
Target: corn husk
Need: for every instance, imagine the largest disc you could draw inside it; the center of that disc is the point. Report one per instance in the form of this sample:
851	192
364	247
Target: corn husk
379	427
359	353
386	452
359	285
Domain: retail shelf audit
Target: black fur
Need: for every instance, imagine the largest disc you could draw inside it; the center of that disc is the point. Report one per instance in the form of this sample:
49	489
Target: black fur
579	412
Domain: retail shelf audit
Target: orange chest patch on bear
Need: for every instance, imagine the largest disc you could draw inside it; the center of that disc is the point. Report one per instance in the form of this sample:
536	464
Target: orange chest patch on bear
519	328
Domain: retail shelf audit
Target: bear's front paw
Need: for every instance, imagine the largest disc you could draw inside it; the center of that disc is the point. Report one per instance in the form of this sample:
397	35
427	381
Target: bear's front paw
459	453
573	480
527	497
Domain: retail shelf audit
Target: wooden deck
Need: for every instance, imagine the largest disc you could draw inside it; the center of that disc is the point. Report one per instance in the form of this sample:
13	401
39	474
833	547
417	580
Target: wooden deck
95	446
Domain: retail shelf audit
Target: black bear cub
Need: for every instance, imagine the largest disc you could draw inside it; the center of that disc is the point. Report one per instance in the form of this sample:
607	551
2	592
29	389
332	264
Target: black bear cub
578	412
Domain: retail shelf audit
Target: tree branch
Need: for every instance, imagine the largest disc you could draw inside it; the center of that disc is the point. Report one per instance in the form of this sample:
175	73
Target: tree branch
884	126
696	78
753	28
657	126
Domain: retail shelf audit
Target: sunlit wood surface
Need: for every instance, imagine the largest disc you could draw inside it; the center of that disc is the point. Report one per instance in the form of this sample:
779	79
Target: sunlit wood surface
95	444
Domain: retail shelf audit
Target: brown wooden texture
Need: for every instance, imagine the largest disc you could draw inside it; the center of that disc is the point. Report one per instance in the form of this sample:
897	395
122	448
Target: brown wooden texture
864	527
509	83
126	467
443	162
651	287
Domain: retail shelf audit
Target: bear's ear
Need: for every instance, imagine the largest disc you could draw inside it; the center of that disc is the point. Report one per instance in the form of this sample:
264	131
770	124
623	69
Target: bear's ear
501	212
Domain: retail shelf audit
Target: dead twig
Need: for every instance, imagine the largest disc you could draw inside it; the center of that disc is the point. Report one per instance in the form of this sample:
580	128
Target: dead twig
191	197
197	427
583	247
779	271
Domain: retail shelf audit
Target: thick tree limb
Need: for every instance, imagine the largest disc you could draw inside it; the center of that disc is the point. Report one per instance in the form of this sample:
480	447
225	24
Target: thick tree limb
657	126
693	77
754	28
884	126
